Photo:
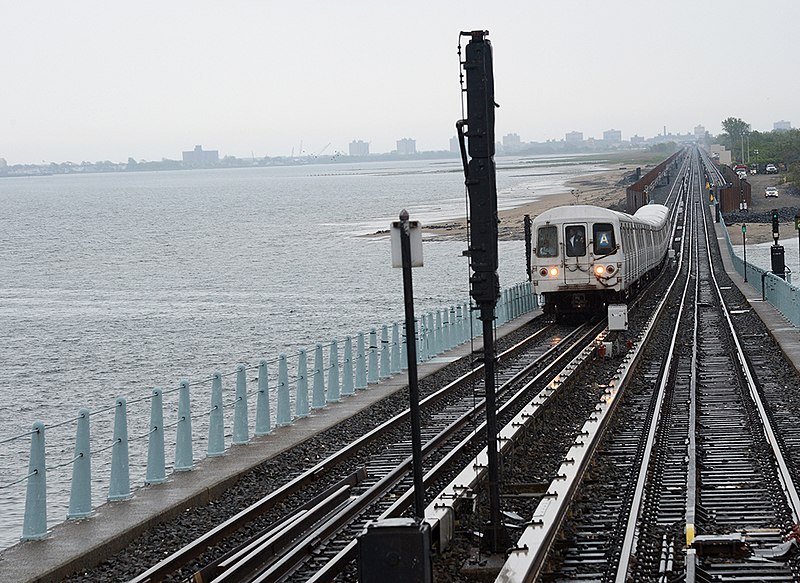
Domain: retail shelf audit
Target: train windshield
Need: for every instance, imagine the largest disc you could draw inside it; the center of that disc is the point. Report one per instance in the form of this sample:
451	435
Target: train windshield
547	241
603	235
575	236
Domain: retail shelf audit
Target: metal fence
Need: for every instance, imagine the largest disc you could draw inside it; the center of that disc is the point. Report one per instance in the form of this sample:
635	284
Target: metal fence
126	448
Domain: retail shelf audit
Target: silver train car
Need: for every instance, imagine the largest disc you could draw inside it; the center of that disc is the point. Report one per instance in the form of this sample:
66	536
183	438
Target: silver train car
586	257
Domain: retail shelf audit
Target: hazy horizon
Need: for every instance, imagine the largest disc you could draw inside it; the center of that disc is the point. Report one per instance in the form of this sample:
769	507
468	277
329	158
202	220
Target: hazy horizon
98	81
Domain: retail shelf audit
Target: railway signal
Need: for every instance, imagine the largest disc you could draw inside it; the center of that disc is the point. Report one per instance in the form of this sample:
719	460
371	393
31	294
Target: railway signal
775	226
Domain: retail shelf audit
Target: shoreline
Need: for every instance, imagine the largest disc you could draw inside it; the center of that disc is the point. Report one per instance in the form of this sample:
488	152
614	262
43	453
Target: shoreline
605	189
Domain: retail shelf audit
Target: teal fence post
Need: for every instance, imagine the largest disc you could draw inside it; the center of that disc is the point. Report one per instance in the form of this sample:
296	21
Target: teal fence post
241	432
452	339
458	331
263	413
433	348
80	495
403	351
216	418
395	359
318	393
301	398
156	467
439	335
284	405
34	525
422	343
183	431
334	396
347	369
361	363
119	487
373	358
386	366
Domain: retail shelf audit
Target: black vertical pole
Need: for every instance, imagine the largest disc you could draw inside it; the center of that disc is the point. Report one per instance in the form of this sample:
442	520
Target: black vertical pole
484	283
528	246
411	348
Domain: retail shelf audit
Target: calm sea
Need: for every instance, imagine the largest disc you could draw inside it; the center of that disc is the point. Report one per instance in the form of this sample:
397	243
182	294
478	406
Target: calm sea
111	284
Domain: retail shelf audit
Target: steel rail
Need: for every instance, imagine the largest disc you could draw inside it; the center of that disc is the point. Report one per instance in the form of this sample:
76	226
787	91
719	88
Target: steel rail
198	546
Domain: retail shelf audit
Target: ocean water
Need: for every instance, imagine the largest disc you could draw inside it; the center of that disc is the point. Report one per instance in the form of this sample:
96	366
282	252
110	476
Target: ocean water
112	284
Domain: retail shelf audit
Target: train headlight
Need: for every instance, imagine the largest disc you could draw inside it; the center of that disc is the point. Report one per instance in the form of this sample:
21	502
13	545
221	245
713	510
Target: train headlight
543	272
599	270
553	271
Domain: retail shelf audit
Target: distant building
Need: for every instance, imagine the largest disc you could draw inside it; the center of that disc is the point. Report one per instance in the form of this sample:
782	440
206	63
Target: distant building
699	133
406	146
454	147
574	137
201	156
359	148
612	136
782	126
511	141
637	140
721	153
3	167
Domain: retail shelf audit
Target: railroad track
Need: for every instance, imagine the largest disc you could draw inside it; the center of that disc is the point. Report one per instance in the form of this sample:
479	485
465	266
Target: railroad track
691	481
449	414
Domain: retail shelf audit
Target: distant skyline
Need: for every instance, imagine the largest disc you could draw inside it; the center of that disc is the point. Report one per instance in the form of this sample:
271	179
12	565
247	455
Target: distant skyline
96	81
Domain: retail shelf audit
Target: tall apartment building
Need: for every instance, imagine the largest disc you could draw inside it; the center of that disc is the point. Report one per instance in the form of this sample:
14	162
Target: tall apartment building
574	137
359	148
699	132
406	146
612	136
201	156
782	126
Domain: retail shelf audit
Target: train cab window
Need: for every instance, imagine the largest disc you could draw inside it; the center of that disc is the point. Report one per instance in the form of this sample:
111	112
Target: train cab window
575	236
547	241
603	236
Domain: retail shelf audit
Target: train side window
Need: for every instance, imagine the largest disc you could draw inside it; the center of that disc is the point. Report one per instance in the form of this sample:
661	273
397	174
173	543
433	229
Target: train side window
547	241
603	236
575	236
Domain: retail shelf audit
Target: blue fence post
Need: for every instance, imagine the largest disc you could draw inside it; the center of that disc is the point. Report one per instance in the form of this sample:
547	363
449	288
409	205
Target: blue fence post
458	330
216	418
34	525
318	396
386	366
241	433
334	396
361	363
347	370
156	467
80	495
422	343
452	340
403	351
284	406
301	396
263	413
439	336
433	347
183	431
373	358
119	487
395	359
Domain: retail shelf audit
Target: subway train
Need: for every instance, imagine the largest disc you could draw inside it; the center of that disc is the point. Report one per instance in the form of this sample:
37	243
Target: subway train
586	257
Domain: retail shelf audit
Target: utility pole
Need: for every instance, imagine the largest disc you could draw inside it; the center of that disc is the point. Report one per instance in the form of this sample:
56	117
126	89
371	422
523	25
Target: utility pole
484	283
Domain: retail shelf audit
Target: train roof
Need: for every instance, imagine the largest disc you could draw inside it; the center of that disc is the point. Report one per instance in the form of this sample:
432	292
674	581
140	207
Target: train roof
652	214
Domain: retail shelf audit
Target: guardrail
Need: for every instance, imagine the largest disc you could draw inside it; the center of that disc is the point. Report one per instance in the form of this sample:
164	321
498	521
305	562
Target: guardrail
366	360
780	293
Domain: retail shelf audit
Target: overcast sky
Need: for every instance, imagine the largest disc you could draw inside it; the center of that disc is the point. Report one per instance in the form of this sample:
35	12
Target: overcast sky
105	80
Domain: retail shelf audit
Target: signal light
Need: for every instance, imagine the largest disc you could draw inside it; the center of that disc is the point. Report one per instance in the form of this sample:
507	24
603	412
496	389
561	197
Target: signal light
543	272
610	269
553	271
599	270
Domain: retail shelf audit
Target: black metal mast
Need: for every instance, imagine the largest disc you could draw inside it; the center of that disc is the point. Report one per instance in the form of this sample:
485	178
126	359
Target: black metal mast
484	282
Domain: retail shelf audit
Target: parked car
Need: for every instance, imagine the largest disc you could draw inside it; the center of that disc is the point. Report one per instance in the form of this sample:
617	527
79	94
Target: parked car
771	169
771	192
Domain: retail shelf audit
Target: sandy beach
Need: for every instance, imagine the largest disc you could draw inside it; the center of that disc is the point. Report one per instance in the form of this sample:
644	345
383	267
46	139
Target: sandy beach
605	189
